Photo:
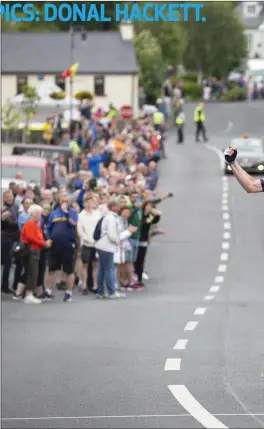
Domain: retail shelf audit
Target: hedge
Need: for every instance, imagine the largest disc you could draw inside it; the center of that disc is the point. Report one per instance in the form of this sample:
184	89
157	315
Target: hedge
235	94
192	91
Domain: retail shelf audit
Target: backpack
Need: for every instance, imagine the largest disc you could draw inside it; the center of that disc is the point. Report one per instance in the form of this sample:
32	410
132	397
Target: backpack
98	229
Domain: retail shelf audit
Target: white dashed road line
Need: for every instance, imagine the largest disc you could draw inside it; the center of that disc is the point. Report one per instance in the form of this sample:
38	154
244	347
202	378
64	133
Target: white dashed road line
209	297
180	345
222	268
224	257
187	401
219	279
215	289
225	245
199	311
173	364
190	326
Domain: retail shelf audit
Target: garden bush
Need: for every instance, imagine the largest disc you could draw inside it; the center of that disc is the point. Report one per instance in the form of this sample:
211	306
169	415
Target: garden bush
192	91
235	94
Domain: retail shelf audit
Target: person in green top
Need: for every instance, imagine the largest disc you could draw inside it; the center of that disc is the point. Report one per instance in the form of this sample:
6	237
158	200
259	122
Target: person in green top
135	220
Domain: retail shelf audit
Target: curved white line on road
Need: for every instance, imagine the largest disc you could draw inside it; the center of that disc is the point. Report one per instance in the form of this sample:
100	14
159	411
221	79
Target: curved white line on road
197	411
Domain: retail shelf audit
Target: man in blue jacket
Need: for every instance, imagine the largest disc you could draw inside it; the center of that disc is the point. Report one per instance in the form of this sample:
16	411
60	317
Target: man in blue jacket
62	232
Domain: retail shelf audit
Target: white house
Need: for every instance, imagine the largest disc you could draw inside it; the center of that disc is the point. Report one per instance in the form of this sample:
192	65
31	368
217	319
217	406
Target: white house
252	15
107	63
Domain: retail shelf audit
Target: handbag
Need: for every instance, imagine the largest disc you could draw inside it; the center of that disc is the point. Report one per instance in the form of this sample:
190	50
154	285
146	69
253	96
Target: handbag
21	250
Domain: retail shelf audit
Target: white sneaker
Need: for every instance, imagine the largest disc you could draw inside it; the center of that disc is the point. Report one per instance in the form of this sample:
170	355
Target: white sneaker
145	276
117	295
30	299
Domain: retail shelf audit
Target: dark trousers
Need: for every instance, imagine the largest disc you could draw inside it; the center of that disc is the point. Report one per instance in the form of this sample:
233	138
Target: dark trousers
200	129
140	262
180	134
17	275
6	261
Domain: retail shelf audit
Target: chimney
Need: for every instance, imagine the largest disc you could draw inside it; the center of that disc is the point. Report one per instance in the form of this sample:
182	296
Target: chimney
127	30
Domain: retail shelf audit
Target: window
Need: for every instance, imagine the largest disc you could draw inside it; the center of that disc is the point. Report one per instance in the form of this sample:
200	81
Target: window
251	9
99	86
22	80
250	41
60	82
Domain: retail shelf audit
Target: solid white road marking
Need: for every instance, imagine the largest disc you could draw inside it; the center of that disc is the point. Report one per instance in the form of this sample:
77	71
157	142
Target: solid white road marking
225	245
227	225
180	345
187	401
219	154
209	298
226	235
190	326
224	257
199	311
130	416
172	365
222	268
219	279
214	289
226	216
229	126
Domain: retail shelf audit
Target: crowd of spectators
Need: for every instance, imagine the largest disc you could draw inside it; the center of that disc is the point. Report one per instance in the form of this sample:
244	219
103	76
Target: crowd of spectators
91	231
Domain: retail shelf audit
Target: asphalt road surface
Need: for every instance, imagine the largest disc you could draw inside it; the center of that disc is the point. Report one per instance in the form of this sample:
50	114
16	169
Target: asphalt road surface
186	353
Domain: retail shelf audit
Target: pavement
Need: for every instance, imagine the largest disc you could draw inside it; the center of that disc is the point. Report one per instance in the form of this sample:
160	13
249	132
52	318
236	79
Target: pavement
188	352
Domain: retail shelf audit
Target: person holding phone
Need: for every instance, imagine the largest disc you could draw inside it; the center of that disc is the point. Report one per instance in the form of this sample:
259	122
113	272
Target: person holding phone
249	183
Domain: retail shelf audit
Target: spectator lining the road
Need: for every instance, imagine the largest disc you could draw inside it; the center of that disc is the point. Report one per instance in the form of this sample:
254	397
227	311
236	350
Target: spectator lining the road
122	171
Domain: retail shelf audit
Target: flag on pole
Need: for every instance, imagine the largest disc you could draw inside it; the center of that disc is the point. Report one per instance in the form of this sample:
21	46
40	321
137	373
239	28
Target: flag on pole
70	72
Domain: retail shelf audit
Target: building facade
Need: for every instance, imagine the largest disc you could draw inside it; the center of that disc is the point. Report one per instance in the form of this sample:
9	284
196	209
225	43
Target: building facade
107	64
252	15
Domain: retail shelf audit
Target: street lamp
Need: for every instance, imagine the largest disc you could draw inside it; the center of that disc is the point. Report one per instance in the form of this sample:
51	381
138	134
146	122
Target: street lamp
72	48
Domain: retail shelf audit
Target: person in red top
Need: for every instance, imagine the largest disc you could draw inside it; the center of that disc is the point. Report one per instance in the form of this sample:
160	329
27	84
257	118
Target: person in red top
32	236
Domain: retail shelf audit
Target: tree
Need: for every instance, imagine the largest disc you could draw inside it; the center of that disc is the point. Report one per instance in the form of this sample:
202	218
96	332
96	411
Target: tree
168	34
151	64
10	120
216	46
29	107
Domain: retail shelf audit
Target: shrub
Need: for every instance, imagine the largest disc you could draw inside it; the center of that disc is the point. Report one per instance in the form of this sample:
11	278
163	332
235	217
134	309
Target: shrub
190	76
58	95
235	94
192	91
84	95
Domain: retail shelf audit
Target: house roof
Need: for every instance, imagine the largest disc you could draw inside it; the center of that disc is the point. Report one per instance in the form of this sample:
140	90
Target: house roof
50	53
251	23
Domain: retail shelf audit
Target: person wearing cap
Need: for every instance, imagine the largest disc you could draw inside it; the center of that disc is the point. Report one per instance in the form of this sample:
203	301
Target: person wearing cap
199	119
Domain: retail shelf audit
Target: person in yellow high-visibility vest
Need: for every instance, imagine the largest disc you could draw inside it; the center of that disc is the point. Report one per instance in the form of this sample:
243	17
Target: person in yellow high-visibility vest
159	118
180	120
199	119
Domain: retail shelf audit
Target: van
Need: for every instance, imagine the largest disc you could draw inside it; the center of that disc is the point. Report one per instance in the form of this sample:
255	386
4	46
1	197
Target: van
34	170
50	153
